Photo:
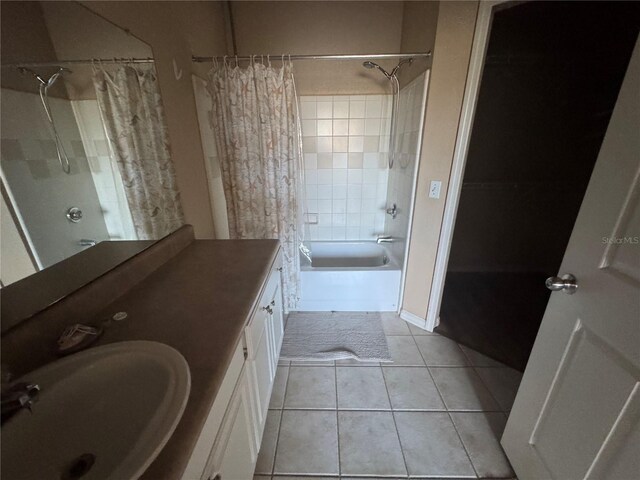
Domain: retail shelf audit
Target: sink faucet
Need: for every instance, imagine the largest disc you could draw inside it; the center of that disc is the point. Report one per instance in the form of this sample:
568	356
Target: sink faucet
384	239
18	396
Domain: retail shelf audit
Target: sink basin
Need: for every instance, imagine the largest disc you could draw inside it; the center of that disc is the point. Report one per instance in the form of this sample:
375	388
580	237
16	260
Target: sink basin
104	413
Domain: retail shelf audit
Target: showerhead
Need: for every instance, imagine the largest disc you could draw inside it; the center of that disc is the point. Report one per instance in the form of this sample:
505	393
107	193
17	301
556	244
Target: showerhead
368	64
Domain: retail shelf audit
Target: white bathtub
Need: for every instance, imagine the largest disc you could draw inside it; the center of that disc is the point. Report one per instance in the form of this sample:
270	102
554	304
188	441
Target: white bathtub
349	276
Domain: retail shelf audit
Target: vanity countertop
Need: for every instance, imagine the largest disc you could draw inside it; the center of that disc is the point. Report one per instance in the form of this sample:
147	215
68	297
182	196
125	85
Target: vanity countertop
198	302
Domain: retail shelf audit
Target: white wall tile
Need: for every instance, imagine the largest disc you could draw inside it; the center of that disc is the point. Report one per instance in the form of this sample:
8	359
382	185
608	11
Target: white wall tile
325	160
372	126
325	176
340	192
310	160
339	160
341	108
325	144
325	206
324	109
357	109
324	128
310	145
325	192
356	144
341	127
356	127
309	128
340	144
308	110
340	176
354	176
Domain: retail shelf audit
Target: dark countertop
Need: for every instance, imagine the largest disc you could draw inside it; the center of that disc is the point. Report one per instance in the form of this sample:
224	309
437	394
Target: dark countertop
198	302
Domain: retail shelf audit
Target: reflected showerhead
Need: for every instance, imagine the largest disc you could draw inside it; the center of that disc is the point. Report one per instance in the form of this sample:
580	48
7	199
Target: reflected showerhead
47	83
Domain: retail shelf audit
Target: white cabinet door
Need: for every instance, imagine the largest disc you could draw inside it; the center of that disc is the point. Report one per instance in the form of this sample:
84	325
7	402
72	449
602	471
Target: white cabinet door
235	451
577	412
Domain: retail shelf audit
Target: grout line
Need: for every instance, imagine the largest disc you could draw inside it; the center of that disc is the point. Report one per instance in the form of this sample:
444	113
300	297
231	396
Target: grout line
393	416
335	379
449	415
284	397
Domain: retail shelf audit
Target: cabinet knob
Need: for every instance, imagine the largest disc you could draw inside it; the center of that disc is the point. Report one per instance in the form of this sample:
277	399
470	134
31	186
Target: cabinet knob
273	303
279	269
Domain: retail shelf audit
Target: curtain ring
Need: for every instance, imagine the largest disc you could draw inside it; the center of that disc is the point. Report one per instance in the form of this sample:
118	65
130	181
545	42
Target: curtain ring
236	61
269	60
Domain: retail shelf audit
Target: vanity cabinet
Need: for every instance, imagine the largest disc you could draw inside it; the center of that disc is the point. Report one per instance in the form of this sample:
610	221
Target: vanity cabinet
229	442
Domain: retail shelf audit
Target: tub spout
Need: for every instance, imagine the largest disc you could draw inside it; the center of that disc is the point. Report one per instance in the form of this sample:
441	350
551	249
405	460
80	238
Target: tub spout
384	239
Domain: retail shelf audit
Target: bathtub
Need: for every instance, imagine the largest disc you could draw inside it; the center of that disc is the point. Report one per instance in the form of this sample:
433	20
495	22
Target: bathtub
349	276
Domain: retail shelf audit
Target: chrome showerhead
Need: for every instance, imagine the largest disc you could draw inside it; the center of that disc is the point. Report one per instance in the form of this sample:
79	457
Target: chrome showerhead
370	65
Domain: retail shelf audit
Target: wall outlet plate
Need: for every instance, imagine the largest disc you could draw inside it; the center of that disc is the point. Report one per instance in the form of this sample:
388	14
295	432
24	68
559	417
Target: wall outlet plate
434	189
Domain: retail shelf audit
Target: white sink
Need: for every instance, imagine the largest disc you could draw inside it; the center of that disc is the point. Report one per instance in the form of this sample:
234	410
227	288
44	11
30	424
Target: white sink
115	406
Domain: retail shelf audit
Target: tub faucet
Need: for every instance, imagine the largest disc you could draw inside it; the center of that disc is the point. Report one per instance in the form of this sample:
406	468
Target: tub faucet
384	239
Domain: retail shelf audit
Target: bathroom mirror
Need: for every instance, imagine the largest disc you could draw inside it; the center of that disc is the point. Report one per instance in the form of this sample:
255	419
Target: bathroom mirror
62	184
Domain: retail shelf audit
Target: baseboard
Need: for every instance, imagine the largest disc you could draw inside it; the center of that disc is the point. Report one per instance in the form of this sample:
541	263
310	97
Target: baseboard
413	319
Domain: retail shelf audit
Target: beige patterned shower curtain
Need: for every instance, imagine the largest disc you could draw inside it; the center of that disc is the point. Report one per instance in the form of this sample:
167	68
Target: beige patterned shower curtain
131	109
255	121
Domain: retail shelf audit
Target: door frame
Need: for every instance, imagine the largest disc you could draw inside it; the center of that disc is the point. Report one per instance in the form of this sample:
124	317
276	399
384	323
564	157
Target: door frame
465	127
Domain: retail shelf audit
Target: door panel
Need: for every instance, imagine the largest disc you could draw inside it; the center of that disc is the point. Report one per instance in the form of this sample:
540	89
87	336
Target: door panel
578	407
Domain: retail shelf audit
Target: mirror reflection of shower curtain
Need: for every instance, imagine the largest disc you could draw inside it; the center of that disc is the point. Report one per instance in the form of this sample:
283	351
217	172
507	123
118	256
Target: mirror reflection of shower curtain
254	117
133	116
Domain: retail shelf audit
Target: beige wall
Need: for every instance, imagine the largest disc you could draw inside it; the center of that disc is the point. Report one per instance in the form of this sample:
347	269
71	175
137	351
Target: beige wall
25	38
78	33
419	23
452	51
176	30
322	28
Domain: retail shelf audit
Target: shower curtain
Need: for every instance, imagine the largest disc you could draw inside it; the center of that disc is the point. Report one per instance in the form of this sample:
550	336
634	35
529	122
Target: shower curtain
132	113
256	124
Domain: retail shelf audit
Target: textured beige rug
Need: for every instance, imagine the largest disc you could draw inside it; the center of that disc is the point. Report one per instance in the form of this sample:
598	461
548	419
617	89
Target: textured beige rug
335	336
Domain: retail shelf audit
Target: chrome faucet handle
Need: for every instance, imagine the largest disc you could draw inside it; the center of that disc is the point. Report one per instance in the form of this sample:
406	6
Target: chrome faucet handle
393	211
19	396
384	239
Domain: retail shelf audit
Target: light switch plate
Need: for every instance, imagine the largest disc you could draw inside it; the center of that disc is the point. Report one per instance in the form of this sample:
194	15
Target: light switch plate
434	189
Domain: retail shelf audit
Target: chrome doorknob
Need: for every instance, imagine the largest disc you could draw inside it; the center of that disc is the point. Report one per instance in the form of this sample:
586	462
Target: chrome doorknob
567	283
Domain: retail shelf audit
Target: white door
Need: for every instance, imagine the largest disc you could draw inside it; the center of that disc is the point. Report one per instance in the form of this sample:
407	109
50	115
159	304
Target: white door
577	413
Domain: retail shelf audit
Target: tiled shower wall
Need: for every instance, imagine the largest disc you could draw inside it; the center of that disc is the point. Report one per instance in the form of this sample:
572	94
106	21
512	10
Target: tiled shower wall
345	145
401	176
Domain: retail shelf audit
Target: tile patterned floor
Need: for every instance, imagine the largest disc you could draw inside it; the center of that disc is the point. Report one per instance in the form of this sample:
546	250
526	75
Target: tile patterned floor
437	411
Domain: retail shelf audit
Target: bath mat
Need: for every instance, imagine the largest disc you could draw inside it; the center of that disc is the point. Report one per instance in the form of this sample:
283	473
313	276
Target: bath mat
335	336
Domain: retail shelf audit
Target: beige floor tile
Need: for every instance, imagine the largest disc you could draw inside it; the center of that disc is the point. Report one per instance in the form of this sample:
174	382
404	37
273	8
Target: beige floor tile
279	386
411	388
431	445
480	432
311	387
439	351
369	444
361	388
308	443
403	351
462	389
264	464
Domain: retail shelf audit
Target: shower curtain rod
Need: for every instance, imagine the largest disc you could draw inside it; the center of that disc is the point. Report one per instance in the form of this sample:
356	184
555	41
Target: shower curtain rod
380	56
80	62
